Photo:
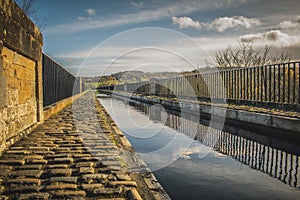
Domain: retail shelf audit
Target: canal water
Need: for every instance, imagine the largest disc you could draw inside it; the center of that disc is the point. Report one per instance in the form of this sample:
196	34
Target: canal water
192	161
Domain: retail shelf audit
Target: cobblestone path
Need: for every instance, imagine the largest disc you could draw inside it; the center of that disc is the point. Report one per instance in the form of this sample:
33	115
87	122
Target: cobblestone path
73	156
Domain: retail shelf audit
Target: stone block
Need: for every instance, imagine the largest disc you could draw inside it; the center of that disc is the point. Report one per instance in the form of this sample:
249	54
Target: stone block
123	177
64	194
86	170
91	186
107	191
24	189
42	162
22	61
40	195
7	54
13	83
124	183
64	179
30	167
3	101
58	166
12	162
98	177
61	172
61	187
25	181
28	173
20	72
62	161
85	164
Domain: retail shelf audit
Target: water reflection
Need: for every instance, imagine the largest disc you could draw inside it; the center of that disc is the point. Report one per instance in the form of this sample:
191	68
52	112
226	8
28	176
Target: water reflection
277	158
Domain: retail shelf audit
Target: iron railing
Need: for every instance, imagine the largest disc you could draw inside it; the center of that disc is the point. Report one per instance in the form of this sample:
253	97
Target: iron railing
58	83
276	85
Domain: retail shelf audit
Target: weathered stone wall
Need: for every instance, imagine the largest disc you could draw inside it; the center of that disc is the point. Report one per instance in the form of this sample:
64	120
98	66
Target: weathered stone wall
21	105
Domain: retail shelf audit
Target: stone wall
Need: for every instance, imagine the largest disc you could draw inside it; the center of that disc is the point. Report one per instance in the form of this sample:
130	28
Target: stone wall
21	106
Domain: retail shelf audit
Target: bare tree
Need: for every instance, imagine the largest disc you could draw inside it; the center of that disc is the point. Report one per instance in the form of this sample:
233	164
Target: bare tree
30	9
246	56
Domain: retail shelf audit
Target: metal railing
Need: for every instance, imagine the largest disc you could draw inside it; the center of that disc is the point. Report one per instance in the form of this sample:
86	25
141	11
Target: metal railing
58	83
276	85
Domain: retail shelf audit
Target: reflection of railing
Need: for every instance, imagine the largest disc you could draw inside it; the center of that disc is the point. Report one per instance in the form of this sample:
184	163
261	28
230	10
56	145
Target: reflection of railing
278	163
275	85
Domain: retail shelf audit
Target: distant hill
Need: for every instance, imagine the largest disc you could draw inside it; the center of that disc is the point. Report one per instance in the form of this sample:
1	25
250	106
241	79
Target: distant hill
125	77
134	76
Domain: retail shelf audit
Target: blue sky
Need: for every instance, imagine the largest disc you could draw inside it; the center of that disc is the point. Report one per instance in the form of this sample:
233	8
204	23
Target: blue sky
183	34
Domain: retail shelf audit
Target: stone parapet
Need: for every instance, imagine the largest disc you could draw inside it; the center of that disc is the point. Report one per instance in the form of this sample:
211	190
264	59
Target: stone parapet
20	74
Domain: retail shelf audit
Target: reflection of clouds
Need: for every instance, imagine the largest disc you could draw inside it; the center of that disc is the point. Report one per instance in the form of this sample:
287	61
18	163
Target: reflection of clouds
186	153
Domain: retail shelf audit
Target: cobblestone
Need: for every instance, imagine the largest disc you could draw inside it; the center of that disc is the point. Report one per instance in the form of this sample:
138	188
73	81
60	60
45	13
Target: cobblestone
64	158
34	196
28	173
61	187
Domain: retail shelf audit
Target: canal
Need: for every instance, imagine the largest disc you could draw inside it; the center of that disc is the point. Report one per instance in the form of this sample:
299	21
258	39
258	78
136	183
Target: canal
192	161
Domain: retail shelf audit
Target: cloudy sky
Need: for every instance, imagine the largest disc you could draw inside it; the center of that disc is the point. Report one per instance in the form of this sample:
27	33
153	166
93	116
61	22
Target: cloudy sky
94	37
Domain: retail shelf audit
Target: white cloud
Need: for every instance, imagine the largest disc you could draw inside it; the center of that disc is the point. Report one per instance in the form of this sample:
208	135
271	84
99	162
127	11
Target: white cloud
220	24
223	23
185	22
288	25
158	12
81	18
90	11
137	4
274	37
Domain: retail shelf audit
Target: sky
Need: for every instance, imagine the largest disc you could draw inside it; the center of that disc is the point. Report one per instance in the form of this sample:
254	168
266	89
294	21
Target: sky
95	37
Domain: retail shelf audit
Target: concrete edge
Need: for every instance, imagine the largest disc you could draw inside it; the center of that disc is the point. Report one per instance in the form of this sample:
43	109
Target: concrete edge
58	106
256	118
145	179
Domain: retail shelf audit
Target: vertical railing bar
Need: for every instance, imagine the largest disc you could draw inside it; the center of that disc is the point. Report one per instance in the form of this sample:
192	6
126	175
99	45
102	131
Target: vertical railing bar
274	85
254	84
261	82
289	87
283	84
266	83
246	84
258	83
298	82
250	83
241	80
294	83
278	84
270	83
